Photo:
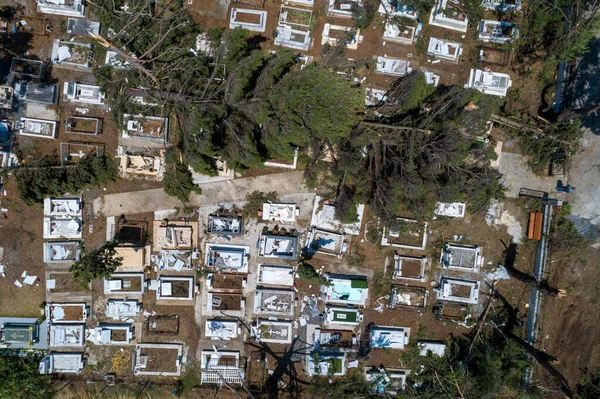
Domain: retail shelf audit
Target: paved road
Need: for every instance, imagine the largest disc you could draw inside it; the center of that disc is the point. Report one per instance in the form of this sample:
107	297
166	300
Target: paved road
584	175
212	193
517	174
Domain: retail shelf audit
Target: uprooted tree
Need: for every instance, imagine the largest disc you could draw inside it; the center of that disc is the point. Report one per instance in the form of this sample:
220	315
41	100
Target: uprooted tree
45	177
238	105
96	264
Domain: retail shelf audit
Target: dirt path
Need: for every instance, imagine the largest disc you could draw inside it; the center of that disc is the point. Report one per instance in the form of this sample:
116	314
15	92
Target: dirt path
212	193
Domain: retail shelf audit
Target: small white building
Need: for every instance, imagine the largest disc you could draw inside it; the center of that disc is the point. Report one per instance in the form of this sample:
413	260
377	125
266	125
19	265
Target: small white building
174	260
115	60
456	290
342	8
290	37
346	289
147	128
125	283
323	216
326	242
437	348
72	55
277	302
343	315
40	128
397	9
447	14
279	212
431	78
461	257
234	258
57	228
409	267
83	94
445	50
253	20
501	5
55	207
388	337
402	35
279	332
118	309
374	96
112	334
278	246
308	3
74	313
222	330
61	363
499	32
488	82
66	335
82	27
61	252
326	364
450	209
68	8
220	367
393	238
386	381
276	275
392	66
334	34
158	359
175	288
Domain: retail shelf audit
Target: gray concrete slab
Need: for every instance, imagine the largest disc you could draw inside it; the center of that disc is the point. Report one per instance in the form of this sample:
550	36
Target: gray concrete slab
517	174
584	175
212	193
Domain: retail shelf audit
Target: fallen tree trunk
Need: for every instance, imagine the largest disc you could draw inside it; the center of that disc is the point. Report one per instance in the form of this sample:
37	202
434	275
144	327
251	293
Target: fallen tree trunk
134	61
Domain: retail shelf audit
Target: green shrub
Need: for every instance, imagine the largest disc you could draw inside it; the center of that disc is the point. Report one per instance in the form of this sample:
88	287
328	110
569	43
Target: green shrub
179	182
309	274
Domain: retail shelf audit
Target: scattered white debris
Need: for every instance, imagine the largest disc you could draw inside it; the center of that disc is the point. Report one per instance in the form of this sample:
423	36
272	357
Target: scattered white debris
154	284
499	274
18	284
2	270
496	215
29	280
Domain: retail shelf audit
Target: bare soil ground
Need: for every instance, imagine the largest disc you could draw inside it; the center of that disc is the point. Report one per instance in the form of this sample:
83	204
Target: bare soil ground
568	328
161	359
228	301
160	325
22	229
247	17
66	283
227	281
189	331
411	268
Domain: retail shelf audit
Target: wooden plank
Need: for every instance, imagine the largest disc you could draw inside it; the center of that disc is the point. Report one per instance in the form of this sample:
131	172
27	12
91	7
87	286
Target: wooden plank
530	229
537	234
